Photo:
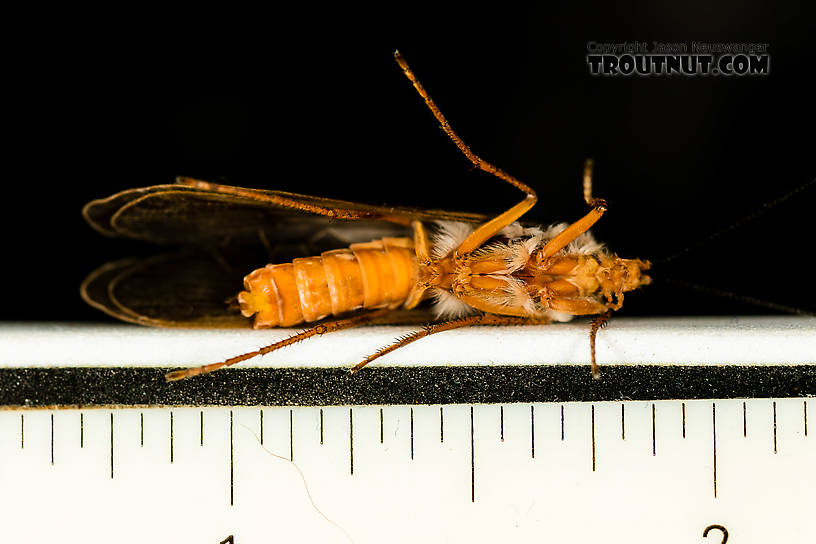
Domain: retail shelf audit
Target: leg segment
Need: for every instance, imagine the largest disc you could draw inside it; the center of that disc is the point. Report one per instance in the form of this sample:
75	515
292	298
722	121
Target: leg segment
489	229
571	233
322	328
485	319
598	323
421	245
582	225
423	254
591	202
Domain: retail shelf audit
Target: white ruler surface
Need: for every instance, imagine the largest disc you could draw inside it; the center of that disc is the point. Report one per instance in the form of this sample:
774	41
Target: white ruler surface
664	471
736	340
477	435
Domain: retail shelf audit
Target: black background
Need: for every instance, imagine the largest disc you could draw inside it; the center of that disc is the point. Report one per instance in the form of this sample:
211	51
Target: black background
312	102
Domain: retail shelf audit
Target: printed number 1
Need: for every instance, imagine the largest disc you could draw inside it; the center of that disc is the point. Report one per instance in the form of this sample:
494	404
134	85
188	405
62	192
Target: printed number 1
229	540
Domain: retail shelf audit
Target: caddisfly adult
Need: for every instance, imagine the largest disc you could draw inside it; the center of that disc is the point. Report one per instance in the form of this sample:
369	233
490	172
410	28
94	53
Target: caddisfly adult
477	270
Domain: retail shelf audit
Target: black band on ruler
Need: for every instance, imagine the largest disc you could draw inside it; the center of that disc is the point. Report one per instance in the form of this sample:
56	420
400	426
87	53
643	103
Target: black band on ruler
41	387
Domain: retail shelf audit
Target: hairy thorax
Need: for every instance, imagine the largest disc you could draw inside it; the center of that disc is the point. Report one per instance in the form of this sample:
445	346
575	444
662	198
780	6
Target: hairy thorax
511	276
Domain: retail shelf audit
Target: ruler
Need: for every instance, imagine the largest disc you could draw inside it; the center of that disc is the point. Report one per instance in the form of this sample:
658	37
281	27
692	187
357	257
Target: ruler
579	472
494	454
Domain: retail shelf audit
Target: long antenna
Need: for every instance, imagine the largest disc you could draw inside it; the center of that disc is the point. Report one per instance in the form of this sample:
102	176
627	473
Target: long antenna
724	230
736	296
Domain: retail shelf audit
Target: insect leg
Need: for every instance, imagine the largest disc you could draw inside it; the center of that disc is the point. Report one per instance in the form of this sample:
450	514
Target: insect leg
489	229
431	328
598	323
591	202
322	328
423	254
582	225
421	245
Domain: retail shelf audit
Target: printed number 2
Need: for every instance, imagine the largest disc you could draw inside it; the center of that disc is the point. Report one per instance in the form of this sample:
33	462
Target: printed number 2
231	540
722	529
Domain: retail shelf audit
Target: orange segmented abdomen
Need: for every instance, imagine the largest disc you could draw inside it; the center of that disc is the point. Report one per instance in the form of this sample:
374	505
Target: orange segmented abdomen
376	274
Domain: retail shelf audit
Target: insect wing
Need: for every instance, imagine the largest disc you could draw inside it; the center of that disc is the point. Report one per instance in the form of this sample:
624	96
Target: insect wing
207	214
184	289
98	213
236	231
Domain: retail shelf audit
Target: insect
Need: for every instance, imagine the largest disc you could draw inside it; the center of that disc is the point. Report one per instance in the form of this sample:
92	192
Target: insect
477	270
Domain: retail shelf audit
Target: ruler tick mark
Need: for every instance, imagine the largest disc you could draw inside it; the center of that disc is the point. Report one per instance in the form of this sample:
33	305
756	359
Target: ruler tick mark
291	438
774	425
81	430
141	429
744	420
442	426
232	464
111	446
22	431
351	442
52	439
501	423
321	426
593	438
623	422
714	442
381	426
412	434
171	436
804	409
683	407
261	426
562	422
654	445
472	461
201	427
532	432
